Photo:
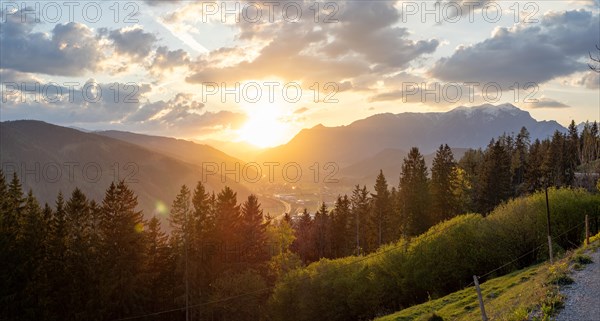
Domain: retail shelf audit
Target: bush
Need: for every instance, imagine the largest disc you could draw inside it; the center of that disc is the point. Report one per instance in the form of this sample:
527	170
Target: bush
435	317
582	259
438	262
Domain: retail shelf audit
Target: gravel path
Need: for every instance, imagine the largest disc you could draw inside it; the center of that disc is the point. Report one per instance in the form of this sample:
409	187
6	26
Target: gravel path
583	296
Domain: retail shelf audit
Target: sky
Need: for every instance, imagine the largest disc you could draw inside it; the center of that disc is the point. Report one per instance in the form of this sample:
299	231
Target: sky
260	72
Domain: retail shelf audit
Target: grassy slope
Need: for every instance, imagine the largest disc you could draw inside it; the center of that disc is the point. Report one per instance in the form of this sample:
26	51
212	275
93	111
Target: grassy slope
513	297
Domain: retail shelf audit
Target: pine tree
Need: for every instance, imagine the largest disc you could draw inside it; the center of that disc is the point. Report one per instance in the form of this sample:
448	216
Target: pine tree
227	223
203	215
573	139
79	265
303	244
495	177
341	238
534	167
30	242
443	185
123	253
359	218
159	267
253	233
180	220
59	295
322	232
381	211
201	254
471	164
519	161
12	273
414	194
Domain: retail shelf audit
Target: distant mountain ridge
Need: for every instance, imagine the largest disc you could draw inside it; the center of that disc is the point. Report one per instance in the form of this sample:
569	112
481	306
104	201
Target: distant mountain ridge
462	127
388	160
45	155
188	151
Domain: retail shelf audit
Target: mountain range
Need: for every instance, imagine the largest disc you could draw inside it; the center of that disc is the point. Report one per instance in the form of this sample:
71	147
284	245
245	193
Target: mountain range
52	158
462	127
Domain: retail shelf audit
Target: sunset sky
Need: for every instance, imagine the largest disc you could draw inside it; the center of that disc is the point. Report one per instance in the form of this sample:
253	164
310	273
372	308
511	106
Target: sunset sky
365	57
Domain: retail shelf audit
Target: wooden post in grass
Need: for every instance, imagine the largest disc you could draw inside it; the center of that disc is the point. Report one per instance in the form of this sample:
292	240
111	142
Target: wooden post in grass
481	307
549	230
587	230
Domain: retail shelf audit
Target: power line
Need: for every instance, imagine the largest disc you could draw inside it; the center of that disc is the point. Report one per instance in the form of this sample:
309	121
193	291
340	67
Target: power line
256	291
340	267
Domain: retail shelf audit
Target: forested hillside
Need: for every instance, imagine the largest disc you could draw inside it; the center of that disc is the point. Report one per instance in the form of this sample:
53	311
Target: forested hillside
373	252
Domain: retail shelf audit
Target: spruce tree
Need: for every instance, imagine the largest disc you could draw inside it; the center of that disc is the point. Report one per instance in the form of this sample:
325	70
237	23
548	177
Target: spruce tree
227	235
381	211
180	220
414	194
519	162
322	232
253	233
359	218
78	260
303	244
123	253
443	185
341	238
159	268
11	270
495	177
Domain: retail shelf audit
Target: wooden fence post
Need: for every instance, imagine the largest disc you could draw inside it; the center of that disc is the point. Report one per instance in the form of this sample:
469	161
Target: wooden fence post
587	230
481	307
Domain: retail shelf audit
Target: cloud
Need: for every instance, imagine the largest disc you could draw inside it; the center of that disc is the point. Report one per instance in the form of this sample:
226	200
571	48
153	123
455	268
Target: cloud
70	49
524	54
590	80
546	103
160	2
300	110
167	60
436	94
364	41
182	115
118	106
132	42
88	102
593	4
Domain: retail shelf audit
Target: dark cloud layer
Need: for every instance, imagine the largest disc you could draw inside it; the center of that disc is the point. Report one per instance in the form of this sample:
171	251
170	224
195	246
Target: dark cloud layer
133	42
546	103
70	49
537	53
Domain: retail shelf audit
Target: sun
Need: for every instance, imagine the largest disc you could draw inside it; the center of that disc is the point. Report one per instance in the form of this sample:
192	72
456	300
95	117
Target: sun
264	127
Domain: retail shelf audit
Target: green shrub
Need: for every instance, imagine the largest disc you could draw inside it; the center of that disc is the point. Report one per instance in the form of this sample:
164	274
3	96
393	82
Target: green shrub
436	263
435	317
582	259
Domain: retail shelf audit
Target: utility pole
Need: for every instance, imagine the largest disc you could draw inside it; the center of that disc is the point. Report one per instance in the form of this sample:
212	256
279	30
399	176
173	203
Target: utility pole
549	230
357	237
187	285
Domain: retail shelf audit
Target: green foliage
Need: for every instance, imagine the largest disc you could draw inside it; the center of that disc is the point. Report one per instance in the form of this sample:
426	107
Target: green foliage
253	233
248	284
435	263
444	184
495	176
414	194
582	259
435	317
559	275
